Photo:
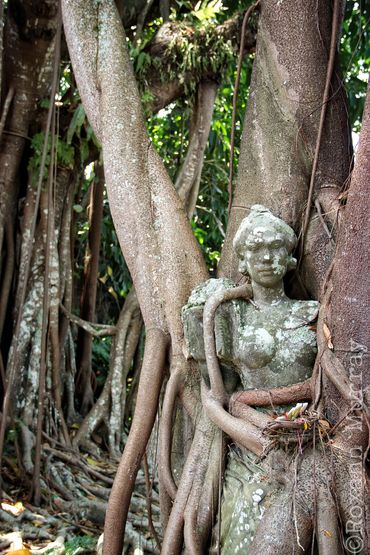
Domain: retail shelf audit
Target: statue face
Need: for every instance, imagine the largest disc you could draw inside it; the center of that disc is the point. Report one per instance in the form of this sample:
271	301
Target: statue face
264	256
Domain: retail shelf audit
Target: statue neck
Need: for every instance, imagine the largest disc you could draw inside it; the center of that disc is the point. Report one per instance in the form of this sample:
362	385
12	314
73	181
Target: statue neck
265	296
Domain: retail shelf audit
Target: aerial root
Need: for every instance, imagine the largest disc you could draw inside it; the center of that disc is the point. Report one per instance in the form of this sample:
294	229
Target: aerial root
270	397
165	438
194	471
241	431
327	529
149	491
142	424
191	536
248	414
194	532
214	400
210	495
209	313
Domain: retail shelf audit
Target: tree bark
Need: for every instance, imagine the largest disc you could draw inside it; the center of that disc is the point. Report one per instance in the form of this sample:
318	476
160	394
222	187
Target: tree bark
28	71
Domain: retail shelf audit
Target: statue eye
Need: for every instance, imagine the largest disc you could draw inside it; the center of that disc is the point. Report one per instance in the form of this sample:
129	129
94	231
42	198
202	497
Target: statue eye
276	244
252	247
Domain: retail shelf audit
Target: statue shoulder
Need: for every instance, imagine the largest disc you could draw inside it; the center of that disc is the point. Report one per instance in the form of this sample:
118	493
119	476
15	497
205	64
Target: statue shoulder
192	315
201	293
305	310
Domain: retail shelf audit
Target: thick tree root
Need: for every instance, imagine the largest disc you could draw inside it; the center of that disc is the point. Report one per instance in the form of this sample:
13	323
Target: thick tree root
277	396
193	475
145	413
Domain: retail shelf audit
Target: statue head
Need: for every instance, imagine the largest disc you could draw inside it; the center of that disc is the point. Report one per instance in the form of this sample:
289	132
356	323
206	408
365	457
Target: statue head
264	244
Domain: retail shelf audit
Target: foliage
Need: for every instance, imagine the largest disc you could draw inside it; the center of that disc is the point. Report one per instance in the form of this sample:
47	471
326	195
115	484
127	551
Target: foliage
355	57
101	351
64	151
195	47
79	543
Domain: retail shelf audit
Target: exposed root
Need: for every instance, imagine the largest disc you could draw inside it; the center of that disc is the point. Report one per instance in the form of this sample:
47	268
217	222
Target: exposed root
327	529
243	432
7	272
191	536
96	330
129	327
200	509
235	100
210	307
188	180
196	500
325	100
277	396
258	419
149	491
71	490
5	110
202	441
110	406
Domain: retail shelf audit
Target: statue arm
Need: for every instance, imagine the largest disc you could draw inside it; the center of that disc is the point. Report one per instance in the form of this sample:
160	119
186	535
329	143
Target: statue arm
247	433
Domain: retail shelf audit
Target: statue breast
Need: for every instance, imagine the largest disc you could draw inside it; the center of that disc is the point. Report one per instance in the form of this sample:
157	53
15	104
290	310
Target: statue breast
268	347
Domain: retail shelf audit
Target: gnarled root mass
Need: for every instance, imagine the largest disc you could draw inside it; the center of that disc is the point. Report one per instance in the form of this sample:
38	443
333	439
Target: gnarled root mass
75	489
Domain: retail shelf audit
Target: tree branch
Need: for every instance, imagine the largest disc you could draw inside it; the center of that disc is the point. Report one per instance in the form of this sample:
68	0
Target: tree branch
96	330
188	179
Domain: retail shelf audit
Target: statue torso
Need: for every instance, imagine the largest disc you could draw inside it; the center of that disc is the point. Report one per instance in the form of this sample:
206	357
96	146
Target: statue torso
269	346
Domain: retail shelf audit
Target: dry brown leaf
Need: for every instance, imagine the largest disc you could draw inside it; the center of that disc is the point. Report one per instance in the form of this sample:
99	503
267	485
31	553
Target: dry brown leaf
327	533
324	424
327	335
13	508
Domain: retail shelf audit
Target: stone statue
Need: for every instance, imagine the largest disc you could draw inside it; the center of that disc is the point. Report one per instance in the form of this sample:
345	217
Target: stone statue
249	338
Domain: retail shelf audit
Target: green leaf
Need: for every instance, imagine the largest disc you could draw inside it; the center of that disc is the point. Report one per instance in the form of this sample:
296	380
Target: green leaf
45	103
65	154
76	123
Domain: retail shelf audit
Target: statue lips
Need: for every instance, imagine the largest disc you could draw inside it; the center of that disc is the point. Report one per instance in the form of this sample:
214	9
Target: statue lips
268	269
